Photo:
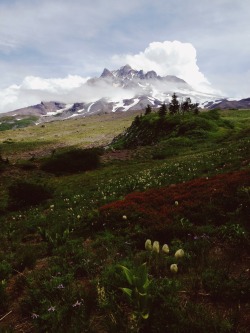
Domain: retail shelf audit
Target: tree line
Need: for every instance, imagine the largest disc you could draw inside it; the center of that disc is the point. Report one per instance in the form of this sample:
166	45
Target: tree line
175	107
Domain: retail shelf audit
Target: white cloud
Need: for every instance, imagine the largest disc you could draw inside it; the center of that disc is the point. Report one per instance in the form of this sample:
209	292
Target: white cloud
58	85
168	58
35	89
70	89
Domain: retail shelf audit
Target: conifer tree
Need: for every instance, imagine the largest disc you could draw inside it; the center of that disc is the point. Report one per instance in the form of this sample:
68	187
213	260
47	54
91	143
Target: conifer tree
137	120
186	106
174	105
195	108
163	110
148	109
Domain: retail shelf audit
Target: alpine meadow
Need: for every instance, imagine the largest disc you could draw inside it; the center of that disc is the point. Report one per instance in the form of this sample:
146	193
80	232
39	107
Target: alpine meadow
132	221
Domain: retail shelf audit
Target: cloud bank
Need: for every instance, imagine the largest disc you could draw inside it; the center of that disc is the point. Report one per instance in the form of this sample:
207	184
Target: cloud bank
69	90
167	58
33	90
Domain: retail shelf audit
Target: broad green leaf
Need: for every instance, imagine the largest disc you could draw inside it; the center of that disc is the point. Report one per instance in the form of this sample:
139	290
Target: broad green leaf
145	315
146	284
127	291
142	294
142	274
128	274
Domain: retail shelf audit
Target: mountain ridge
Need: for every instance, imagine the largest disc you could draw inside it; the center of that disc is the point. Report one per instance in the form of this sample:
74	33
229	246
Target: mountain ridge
136	88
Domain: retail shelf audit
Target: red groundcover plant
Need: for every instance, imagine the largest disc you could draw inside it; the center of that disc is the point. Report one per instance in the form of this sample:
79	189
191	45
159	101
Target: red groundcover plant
201	201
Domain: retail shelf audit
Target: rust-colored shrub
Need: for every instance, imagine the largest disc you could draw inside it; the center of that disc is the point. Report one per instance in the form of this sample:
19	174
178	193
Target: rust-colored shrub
202	201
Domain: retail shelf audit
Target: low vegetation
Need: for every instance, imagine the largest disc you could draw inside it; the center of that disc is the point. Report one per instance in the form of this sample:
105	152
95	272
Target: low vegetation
153	127
9	122
72	161
153	237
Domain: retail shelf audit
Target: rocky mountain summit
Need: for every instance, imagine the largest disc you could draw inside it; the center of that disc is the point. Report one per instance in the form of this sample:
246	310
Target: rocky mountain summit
123	90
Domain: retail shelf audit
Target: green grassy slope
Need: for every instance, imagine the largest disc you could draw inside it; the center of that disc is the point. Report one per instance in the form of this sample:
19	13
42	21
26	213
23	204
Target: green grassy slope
61	252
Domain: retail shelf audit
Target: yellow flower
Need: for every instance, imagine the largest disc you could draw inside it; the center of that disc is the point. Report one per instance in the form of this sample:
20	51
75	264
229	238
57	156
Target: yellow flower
165	248
174	268
179	254
148	245
156	247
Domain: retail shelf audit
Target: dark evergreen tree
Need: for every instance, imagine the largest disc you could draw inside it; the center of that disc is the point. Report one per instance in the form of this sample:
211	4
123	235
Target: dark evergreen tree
163	110
148	109
186	105
195	108
137	120
174	105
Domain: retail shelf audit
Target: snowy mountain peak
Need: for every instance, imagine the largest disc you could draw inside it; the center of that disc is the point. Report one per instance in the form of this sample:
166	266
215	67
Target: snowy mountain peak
106	73
124	72
151	75
123	89
127	76
127	68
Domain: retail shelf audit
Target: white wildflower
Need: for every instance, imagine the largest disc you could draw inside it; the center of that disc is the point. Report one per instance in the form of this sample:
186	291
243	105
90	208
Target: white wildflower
156	247
148	245
165	248
179	254
174	268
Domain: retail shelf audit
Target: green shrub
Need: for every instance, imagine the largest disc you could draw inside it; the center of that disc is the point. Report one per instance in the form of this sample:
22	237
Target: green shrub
24	194
164	153
27	165
223	287
3	163
25	258
76	160
5	270
56	303
180	142
211	114
3	296
234	234
195	123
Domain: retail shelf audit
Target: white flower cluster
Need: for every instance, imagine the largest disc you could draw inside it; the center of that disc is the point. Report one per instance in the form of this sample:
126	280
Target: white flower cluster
155	247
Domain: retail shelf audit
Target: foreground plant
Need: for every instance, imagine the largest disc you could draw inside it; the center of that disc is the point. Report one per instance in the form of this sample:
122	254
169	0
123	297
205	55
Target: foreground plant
137	292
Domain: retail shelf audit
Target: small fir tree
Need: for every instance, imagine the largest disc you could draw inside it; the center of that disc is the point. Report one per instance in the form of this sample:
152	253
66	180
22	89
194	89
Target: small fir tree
186	105
137	120
148	109
195	108
174	105
163	110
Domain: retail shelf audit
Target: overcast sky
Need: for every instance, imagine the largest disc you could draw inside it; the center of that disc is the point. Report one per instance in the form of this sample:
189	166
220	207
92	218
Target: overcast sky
54	46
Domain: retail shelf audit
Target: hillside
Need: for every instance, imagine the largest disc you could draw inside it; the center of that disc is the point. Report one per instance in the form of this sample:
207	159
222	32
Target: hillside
87	205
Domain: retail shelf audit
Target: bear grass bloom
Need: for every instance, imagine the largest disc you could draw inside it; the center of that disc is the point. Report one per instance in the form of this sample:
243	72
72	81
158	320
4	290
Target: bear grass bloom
179	254
156	247
148	245
165	248
174	268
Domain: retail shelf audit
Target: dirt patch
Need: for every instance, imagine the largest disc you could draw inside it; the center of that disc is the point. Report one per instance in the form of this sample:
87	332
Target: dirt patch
121	155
